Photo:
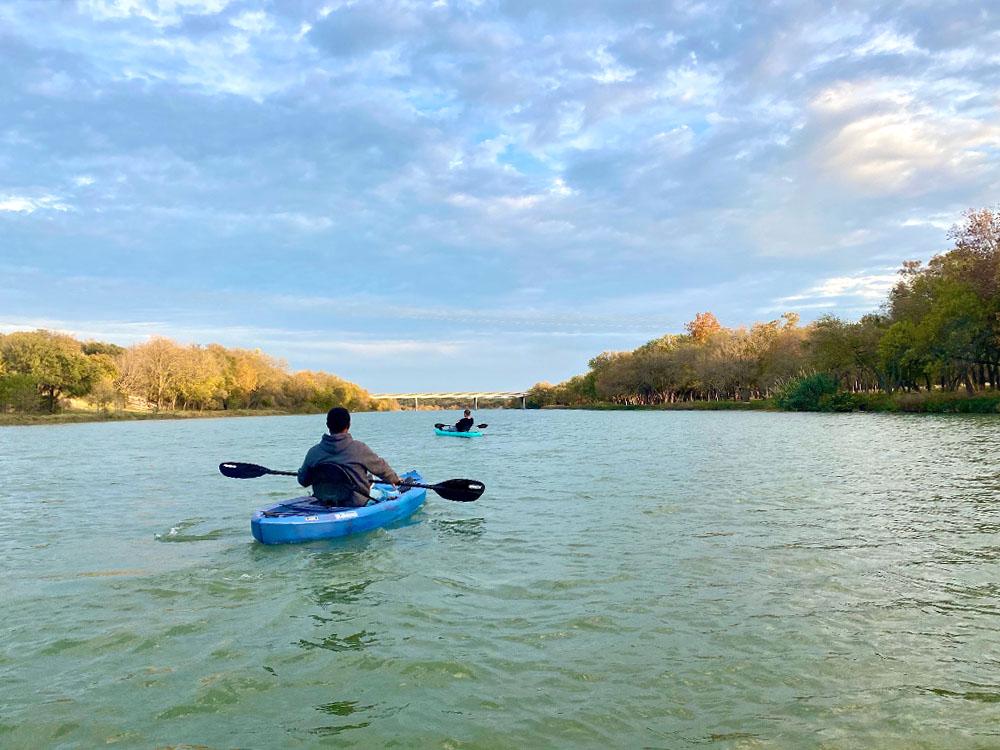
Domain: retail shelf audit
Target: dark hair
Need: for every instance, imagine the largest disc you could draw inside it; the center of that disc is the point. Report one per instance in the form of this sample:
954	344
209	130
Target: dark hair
467	412
338	419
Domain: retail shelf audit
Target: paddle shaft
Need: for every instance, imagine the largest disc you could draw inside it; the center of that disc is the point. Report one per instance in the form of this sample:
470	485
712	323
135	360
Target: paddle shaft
403	483
459	490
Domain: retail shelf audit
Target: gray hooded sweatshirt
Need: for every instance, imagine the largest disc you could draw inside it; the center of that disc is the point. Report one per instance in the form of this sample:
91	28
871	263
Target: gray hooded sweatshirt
356	457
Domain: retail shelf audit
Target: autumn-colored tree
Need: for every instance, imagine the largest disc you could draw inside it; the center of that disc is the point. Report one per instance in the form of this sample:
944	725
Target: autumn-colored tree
152	371
164	374
703	327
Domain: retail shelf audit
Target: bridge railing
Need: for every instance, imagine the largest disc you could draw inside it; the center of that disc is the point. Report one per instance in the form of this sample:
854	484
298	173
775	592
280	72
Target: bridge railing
473	396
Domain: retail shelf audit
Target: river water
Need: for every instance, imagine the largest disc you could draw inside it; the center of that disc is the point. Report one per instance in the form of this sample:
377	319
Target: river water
629	579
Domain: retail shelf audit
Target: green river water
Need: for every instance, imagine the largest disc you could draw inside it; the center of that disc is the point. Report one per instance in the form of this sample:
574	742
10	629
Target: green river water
629	579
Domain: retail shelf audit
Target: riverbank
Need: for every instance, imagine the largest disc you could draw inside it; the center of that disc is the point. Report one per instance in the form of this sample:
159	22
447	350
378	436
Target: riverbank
74	416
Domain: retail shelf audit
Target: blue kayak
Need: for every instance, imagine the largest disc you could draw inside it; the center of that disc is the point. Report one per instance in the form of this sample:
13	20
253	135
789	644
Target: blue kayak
306	519
456	433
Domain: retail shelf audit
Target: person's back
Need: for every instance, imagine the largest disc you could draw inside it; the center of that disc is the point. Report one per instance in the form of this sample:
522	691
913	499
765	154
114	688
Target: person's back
355	459
465	424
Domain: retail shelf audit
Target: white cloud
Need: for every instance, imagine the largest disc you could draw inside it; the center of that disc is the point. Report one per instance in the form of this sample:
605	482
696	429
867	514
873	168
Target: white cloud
892	151
495	204
254	22
692	85
847	96
869	287
23	204
560	188
158	12
939	221
611	71
888	135
887	42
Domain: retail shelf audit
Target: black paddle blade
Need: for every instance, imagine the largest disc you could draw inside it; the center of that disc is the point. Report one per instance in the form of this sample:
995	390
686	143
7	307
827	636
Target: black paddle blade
440	425
460	490
482	426
235	470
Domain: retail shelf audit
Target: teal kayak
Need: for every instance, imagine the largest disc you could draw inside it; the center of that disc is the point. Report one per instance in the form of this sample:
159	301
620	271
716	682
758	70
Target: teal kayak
456	433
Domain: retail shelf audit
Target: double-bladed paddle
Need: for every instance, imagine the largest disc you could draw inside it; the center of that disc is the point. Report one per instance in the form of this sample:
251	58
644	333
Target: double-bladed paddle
459	490
442	425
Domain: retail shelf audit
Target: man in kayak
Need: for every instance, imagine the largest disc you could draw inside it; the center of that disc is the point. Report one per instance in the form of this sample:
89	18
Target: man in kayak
353	456
465	423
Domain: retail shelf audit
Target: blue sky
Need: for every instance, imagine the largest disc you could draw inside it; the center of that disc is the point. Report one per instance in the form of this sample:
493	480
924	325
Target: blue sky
477	195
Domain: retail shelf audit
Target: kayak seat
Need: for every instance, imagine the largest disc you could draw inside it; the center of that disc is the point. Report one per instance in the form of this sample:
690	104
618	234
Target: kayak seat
333	487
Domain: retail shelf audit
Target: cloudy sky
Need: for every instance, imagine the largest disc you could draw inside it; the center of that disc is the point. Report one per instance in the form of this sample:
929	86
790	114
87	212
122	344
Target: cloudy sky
477	193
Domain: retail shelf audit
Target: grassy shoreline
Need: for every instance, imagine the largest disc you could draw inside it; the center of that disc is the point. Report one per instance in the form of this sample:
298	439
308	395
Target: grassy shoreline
904	403
896	403
758	405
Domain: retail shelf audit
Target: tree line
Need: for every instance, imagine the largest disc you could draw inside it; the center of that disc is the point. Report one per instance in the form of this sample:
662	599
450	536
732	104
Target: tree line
937	332
40	369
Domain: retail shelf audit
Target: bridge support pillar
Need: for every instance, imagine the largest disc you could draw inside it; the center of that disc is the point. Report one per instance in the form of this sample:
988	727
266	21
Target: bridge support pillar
476	402
522	403
416	403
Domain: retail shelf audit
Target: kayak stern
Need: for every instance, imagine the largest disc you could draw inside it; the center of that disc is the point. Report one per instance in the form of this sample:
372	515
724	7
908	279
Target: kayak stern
305	519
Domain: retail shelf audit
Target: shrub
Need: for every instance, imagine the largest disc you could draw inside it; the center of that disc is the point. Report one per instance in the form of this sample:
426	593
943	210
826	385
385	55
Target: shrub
807	394
840	401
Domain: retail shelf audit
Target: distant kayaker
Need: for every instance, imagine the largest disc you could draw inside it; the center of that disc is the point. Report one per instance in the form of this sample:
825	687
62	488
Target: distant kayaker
465	423
356	458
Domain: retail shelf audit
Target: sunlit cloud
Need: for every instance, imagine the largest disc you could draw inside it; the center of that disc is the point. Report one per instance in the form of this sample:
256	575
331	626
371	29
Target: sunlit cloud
870	288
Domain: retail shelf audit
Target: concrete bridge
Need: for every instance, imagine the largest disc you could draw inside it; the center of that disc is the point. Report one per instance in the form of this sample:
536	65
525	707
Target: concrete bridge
465	396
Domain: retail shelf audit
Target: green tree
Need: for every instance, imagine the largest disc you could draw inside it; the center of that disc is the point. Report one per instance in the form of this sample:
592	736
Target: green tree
55	361
19	393
903	357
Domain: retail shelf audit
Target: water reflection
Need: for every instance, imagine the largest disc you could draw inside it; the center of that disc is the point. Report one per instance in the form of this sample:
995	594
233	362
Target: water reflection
342	708
464	527
341	592
334	642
